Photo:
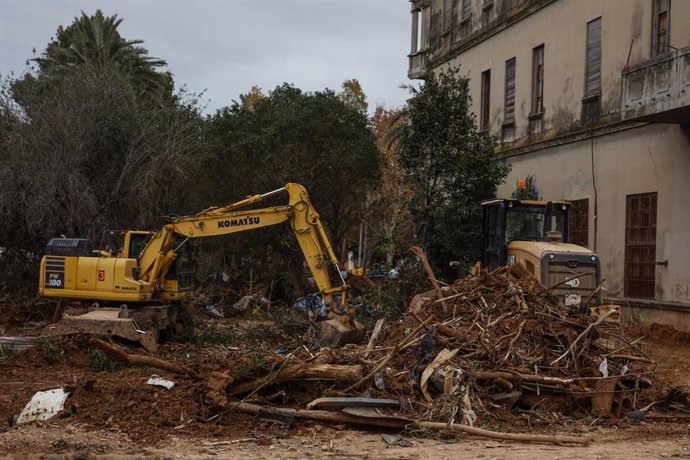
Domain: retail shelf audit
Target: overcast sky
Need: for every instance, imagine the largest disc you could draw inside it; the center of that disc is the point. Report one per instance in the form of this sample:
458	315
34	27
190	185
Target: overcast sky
226	46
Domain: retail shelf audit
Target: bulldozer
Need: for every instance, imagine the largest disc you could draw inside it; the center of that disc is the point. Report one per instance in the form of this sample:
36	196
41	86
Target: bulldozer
136	289
534	234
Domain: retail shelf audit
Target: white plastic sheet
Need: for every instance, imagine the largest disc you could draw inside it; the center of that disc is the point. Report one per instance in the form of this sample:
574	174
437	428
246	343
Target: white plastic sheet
43	405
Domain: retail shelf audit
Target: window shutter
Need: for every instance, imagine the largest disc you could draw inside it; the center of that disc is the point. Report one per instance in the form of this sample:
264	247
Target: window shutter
447	14
510	91
593	73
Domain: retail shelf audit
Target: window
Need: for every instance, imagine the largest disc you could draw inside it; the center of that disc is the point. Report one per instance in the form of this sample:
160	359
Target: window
538	79
640	245
447	15
466	10
662	26
593	62
510	92
487	11
416	28
578	225
485	100
419	30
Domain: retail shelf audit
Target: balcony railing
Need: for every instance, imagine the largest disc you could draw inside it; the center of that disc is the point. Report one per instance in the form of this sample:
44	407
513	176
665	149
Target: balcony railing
417	67
658	90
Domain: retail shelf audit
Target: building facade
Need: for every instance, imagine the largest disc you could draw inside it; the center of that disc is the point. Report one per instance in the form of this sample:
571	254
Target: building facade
592	99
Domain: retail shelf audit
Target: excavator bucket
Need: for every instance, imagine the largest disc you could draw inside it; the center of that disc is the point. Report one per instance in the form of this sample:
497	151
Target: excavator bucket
105	321
340	330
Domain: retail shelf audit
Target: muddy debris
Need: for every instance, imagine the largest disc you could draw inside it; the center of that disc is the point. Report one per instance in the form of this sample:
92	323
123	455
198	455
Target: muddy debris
495	351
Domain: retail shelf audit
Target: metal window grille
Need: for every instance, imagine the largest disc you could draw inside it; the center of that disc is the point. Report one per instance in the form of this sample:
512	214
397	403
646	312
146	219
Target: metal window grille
578	227
538	79
640	245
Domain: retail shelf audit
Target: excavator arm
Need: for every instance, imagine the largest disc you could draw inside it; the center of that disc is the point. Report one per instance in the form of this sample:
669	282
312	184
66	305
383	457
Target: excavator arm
158	255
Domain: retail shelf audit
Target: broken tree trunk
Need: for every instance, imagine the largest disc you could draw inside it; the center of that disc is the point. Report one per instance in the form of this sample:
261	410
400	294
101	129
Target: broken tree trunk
302	371
401	423
416	250
118	354
374	336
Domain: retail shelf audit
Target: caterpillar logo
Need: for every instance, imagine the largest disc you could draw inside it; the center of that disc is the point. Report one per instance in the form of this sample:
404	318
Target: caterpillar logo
575	282
238	222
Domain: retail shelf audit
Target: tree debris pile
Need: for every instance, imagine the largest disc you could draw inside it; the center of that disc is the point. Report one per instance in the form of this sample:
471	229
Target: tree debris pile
496	344
503	343
490	350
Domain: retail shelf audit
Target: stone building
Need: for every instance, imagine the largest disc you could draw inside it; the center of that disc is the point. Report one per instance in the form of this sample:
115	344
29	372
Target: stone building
592	99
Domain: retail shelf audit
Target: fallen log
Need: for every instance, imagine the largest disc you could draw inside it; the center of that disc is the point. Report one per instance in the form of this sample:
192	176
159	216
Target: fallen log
517	377
389	422
302	370
118	354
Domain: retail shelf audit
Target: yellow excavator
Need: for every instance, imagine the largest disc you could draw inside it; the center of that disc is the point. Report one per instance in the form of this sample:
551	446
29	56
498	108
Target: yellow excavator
149	276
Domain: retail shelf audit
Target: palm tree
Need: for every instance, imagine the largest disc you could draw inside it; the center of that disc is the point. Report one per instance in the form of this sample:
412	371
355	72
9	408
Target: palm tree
94	42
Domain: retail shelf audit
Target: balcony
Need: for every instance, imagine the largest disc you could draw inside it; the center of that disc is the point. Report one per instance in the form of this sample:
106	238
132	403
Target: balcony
418	65
658	90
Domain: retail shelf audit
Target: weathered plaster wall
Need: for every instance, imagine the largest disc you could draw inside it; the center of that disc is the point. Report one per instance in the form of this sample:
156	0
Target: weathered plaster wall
651	158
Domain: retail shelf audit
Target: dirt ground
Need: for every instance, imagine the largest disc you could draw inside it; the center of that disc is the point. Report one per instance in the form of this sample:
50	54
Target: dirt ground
66	440
112	413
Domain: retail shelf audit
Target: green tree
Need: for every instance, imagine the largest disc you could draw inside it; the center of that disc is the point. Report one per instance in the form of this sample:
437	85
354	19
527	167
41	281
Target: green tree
353	95
252	99
94	44
293	136
83	151
90	157
388	217
450	166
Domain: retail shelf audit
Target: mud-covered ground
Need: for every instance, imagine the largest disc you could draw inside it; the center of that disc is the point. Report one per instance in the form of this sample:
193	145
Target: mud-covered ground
112	412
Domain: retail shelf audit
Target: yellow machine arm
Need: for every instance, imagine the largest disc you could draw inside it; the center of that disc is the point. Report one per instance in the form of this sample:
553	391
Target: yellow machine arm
159	253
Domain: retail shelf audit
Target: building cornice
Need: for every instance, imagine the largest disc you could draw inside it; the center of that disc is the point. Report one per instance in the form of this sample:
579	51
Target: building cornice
570	138
497	26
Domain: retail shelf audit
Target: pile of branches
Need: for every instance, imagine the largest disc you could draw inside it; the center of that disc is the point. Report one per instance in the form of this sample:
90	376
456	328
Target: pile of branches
501	342
488	347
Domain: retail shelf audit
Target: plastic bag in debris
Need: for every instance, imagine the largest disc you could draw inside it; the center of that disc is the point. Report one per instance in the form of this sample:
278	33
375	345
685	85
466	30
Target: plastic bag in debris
604	368
155	380
213	310
312	305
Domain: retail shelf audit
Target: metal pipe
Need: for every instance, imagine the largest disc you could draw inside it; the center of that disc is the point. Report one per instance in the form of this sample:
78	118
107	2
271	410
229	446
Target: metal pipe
274	192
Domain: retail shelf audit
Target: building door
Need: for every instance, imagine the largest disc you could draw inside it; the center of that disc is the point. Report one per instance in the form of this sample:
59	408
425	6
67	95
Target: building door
640	245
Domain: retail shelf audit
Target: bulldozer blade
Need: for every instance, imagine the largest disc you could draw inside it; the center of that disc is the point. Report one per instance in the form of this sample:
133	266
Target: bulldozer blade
336	332
104	321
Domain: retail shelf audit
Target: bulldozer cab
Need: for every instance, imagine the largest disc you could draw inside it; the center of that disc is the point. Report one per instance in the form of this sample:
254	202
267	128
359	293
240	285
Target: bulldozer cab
507	220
